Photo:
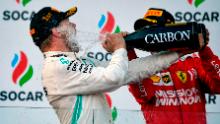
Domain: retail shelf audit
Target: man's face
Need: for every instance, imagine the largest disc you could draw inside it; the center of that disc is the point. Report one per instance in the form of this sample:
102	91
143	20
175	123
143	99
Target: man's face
68	32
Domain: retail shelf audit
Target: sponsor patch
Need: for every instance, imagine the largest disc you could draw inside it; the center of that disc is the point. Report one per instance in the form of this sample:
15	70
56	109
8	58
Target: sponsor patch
166	78
162	79
157	13
182	76
155	78
77	66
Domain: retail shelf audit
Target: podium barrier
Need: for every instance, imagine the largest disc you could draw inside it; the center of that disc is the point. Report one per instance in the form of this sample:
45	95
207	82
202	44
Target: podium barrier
47	115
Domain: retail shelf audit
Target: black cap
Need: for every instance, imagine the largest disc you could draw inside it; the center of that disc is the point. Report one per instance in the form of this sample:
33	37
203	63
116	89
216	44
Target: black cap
44	20
154	16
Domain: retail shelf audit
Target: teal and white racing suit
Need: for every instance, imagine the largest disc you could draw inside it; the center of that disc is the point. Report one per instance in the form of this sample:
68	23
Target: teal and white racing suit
75	86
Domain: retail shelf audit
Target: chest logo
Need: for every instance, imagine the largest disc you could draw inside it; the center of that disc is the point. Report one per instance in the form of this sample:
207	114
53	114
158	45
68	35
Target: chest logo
166	79
155	78
182	76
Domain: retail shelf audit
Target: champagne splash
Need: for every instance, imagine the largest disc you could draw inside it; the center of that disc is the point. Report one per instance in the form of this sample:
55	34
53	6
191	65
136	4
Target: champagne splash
89	40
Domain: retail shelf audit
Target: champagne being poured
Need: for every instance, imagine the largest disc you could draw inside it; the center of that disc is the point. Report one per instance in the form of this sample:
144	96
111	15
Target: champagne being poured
158	38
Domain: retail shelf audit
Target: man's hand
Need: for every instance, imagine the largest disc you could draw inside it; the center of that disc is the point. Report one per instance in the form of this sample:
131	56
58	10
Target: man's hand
114	41
202	42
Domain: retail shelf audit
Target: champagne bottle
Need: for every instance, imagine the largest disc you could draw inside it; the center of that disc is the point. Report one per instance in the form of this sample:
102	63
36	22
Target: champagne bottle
158	38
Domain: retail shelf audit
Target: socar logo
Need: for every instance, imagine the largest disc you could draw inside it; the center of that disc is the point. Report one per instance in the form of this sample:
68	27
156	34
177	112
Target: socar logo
196	3
22	71
107	24
24	2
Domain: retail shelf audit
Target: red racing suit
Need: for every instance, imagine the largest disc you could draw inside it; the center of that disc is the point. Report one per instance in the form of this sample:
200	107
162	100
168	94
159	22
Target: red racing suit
177	94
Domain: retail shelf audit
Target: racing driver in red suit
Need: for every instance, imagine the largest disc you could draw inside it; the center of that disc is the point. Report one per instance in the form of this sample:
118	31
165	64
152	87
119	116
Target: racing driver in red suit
176	95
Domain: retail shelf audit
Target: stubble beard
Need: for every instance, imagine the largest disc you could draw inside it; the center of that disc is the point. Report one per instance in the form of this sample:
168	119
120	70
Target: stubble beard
71	40
69	34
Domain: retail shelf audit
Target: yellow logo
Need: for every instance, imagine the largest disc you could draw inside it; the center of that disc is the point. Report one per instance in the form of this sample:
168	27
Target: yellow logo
47	17
157	13
32	31
71	11
182	76
150	20
155	78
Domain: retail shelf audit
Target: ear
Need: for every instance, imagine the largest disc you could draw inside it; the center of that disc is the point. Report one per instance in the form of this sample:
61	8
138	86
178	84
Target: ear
55	32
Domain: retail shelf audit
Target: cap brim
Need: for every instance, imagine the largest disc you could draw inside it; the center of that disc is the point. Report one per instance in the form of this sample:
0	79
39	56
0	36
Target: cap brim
70	12
140	23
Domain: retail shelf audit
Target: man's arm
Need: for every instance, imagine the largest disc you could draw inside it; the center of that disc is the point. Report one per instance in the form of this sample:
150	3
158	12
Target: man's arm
211	65
141	68
102	79
80	78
